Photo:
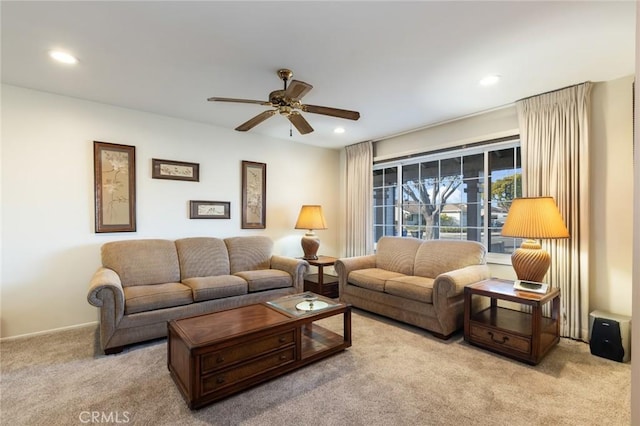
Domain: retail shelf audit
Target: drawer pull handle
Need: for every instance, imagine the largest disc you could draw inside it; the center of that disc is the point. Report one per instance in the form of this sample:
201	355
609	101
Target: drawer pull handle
283	357
219	359
501	342
283	339
220	380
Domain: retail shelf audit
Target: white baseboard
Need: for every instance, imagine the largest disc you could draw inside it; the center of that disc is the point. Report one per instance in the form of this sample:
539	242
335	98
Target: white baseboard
53	330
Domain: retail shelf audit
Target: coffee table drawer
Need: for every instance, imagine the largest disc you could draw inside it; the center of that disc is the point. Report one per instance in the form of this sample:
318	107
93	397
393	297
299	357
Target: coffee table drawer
224	378
499	339
220	359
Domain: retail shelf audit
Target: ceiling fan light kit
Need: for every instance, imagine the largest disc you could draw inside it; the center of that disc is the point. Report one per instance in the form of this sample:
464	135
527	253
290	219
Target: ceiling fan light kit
287	103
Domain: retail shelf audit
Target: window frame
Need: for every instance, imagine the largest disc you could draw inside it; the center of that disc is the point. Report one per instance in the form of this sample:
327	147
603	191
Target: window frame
453	152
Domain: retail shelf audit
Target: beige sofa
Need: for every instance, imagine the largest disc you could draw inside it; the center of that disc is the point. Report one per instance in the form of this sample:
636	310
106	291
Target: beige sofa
414	281
142	284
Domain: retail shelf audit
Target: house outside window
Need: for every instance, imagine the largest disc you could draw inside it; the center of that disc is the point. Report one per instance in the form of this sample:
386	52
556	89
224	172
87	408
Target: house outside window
443	195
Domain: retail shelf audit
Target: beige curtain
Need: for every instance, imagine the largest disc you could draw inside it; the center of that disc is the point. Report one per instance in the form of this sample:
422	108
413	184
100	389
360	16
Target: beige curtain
554	131
359	199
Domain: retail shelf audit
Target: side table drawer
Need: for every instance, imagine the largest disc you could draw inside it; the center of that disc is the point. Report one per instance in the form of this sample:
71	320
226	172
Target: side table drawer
222	358
499	339
216	381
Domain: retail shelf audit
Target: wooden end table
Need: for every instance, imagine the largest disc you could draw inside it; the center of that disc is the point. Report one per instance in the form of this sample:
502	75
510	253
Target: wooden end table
325	285
520	335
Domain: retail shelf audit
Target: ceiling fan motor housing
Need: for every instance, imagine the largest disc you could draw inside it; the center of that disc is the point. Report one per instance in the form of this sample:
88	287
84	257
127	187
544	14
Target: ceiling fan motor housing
277	98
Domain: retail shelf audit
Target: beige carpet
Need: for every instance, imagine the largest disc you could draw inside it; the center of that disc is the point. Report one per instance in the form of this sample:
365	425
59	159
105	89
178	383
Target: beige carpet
392	375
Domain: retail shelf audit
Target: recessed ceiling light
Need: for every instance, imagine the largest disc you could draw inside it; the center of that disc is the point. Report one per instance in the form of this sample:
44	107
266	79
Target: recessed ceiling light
338	130
63	57
490	80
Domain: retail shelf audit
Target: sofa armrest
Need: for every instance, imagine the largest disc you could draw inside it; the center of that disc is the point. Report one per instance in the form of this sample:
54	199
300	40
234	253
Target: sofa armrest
347	264
452	283
448	295
104	278
105	292
295	267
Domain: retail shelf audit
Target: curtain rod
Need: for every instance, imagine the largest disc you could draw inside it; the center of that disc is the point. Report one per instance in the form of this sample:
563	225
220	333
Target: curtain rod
552	91
383	138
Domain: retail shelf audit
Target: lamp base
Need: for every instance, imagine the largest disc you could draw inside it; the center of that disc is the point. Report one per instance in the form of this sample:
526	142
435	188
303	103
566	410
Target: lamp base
530	262
310	244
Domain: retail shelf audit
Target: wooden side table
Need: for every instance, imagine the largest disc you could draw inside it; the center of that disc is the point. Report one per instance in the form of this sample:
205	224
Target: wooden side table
326	285
520	335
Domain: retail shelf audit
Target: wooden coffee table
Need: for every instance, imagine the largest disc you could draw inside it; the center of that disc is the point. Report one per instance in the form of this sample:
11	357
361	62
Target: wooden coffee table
215	355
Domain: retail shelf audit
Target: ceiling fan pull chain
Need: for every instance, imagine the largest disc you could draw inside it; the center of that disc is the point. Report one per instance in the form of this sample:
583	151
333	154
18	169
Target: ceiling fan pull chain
290	131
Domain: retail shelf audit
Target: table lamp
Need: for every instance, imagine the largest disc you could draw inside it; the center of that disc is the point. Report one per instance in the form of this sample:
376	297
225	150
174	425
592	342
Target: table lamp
311	218
533	218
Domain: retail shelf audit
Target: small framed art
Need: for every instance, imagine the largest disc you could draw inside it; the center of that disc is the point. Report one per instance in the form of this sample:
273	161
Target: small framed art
114	168
254	195
209	210
175	170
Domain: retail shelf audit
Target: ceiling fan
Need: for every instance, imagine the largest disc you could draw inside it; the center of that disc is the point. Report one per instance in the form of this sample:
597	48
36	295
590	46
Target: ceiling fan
287	103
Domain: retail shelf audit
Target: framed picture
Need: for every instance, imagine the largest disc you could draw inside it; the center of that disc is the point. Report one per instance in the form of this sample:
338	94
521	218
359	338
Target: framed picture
209	210
254	195
175	170
114	169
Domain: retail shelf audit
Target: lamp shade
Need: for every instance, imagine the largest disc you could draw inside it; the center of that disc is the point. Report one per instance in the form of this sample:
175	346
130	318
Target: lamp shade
534	218
311	217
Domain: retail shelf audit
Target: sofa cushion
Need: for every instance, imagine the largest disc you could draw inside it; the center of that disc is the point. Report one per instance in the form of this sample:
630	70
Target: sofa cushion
202	257
249	253
372	278
436	257
411	287
397	254
265	279
216	287
142	262
141	298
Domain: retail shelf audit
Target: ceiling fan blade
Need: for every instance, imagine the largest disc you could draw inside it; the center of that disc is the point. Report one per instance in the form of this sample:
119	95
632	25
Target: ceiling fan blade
250	124
244	101
301	124
334	112
297	89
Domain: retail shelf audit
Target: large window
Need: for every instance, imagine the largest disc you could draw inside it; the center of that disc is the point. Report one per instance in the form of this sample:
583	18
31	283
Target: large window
443	195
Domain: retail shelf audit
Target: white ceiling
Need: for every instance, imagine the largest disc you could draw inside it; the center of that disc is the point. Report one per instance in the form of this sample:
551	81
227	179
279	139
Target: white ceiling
402	65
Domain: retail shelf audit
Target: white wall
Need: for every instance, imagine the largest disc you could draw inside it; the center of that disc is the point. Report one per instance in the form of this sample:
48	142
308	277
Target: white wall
635	330
611	184
49	248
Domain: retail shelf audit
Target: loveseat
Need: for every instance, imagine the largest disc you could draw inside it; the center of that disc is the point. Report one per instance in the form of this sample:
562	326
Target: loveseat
142	284
419	282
